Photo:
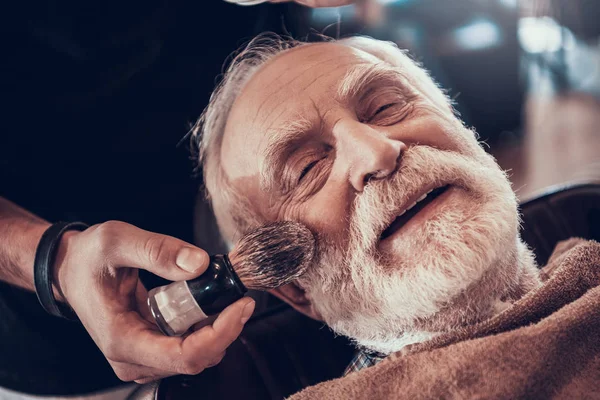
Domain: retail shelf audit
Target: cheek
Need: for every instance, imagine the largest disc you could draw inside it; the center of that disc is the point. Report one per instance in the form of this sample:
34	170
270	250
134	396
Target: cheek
326	213
329	215
329	219
428	128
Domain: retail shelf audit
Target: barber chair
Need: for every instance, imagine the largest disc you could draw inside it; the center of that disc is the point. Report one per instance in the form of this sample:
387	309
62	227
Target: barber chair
559	213
281	351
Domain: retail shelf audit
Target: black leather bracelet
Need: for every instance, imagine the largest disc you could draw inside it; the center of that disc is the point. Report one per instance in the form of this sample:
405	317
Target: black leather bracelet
45	255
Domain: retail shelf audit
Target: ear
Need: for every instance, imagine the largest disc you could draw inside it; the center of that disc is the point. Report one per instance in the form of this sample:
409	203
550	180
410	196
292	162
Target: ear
296	297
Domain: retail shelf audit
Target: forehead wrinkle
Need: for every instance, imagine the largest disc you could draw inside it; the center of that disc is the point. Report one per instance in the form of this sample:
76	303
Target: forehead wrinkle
268	116
321	115
317	64
324	74
271	126
305	87
282	105
284	84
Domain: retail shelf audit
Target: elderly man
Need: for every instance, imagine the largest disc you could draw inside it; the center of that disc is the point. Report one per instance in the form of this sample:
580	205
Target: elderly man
417	226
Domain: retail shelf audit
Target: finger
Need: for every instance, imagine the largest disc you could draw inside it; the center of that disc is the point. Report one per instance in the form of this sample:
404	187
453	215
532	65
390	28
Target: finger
216	361
325	3
162	255
246	2
144	380
141	296
148	379
141	343
132	372
216	338
203	323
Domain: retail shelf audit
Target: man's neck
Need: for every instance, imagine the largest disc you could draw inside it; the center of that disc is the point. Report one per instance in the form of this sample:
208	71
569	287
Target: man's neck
505	283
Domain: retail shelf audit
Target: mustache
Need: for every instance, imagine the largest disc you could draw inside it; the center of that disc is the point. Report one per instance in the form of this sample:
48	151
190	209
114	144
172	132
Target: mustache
421	166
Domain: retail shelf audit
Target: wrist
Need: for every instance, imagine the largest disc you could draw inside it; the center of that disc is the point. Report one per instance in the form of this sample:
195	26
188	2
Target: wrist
20	234
31	235
60	267
51	276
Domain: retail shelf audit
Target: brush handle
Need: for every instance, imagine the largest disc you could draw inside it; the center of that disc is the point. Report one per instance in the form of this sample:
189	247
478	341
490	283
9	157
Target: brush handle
179	305
174	308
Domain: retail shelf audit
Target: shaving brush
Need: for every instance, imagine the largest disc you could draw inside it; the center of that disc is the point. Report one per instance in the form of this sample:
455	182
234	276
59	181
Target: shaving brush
266	258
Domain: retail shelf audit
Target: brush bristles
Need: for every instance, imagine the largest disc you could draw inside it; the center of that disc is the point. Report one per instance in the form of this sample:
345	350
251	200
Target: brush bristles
273	255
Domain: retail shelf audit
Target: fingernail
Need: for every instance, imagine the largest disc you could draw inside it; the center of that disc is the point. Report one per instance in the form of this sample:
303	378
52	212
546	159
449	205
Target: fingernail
190	259
248	310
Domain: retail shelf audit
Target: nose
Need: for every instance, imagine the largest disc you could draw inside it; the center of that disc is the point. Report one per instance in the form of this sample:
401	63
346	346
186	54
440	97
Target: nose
368	153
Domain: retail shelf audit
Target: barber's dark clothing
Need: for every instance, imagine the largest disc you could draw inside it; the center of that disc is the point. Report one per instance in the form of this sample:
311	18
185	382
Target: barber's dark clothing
96	97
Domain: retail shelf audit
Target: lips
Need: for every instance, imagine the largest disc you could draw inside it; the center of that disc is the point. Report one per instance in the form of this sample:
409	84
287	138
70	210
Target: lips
412	209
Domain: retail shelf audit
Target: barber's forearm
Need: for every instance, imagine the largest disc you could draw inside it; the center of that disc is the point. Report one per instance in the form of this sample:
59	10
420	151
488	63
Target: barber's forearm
20	232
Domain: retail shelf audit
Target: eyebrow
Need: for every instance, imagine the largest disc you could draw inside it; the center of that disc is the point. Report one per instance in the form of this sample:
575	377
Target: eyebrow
281	140
363	76
284	138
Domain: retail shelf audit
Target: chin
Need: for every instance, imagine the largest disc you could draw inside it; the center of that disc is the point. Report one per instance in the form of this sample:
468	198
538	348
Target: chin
447	267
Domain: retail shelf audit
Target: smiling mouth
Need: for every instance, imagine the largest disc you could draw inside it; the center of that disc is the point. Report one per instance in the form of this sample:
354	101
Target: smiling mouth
412	210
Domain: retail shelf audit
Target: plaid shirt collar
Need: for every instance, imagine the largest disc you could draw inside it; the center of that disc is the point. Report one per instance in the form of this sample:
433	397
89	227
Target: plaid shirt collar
363	359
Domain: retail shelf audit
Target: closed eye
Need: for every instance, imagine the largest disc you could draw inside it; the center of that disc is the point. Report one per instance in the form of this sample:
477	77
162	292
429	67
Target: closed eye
390	114
383	108
307	169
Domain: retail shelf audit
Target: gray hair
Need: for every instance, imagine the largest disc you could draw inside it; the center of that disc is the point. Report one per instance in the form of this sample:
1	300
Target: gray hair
207	133
233	212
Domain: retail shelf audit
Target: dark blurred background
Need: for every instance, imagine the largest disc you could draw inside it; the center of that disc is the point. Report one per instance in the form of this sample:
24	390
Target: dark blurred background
97	95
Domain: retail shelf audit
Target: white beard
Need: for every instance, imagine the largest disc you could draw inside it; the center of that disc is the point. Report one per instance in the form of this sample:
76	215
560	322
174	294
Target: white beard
451	272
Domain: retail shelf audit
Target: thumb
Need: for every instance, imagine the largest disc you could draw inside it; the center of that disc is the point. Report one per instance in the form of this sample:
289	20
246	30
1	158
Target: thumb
162	255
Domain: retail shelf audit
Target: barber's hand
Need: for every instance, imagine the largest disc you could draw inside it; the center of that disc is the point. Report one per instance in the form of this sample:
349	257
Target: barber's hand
97	274
318	3
308	3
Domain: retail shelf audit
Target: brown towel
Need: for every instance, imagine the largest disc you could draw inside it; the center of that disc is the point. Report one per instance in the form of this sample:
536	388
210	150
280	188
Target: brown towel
545	346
